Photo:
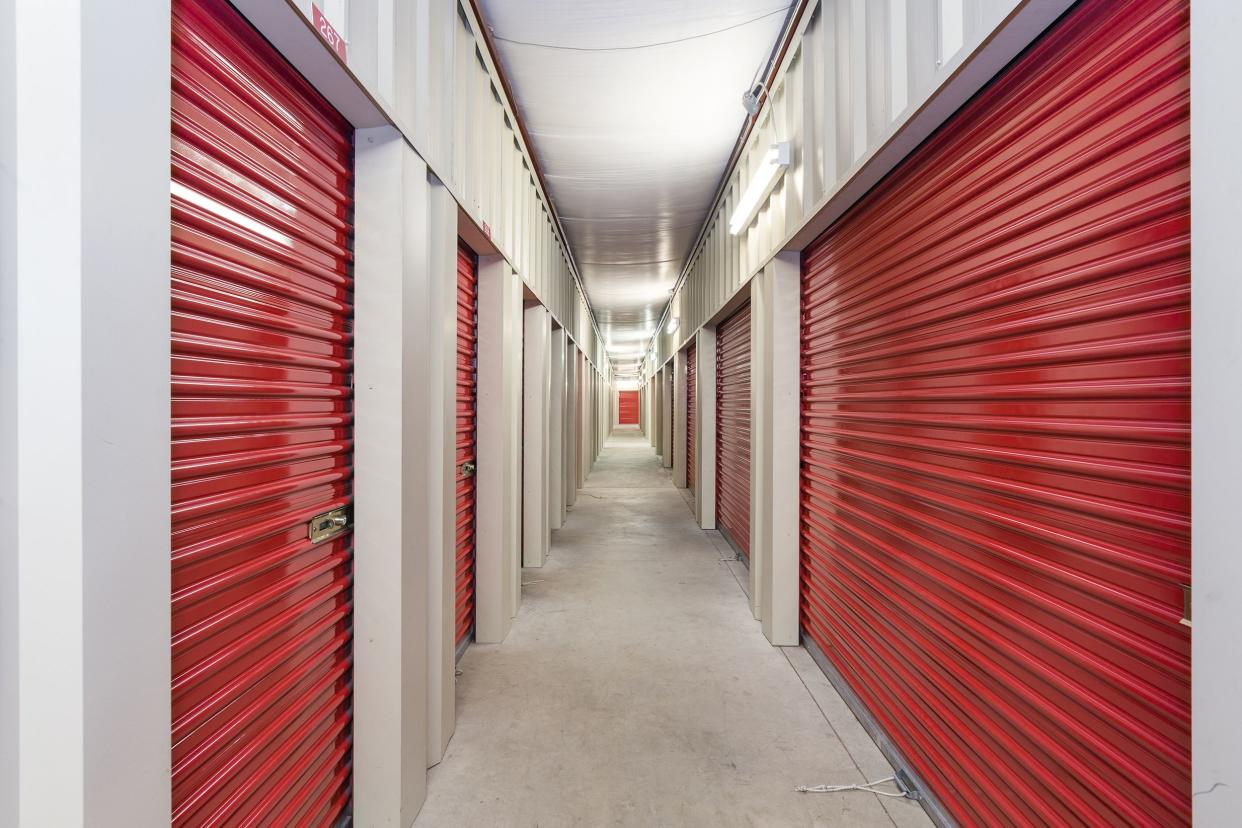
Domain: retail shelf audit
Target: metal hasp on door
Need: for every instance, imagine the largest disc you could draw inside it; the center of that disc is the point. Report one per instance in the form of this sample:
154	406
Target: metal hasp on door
995	501
692	391
262	435
467	387
627	408
733	429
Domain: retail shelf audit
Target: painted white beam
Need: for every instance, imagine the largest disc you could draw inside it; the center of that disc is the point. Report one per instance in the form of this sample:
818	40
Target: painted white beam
679	419
775	430
573	378
441	469
1216	406
498	424
666	416
705	425
536	401
556	429
84	414
393	503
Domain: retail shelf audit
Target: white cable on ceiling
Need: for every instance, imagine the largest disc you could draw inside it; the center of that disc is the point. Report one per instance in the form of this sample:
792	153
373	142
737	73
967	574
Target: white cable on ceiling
640	45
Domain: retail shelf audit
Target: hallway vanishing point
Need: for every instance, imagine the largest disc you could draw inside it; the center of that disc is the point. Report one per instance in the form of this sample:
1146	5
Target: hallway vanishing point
637	689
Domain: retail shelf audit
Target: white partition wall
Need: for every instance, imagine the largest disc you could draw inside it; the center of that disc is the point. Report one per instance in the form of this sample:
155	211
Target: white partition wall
774	449
666	415
394	504
705	419
556	427
1216	307
679	419
536	402
498	541
84	414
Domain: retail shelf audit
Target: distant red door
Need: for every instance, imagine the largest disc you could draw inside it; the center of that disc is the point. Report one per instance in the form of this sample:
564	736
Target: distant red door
627	407
467	386
262	433
692	391
733	428
996	436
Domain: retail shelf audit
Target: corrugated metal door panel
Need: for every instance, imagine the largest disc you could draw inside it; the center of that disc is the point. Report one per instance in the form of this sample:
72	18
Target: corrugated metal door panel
627	407
692	368
995	436
467	386
733	428
262	432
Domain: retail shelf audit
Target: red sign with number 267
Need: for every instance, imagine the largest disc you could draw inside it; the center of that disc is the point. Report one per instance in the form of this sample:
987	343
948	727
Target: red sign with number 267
328	33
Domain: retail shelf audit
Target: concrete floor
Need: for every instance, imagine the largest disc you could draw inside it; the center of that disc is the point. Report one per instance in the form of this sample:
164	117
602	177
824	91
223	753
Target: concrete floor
637	689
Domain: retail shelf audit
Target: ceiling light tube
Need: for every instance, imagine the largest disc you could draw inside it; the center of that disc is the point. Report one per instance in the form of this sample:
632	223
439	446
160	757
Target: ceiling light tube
673	324
762	183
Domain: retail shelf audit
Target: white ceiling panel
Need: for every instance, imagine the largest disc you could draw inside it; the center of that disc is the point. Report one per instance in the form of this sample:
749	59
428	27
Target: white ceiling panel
632	107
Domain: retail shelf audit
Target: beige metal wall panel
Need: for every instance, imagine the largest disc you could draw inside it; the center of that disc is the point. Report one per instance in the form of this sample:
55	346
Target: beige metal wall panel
855	73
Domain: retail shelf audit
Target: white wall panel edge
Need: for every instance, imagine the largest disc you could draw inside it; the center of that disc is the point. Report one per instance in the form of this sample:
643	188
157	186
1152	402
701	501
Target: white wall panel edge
1216	406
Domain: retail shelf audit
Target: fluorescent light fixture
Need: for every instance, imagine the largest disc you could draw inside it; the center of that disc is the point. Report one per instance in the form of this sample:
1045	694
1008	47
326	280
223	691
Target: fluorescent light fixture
673	325
762	183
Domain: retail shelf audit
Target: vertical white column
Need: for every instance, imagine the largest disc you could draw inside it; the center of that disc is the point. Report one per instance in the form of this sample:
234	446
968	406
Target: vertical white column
498	491
775	489
572	379
679	419
10	473
392	502
556	428
84	414
1216	298
760	440
666	415
586	449
705	425
536	396
441	469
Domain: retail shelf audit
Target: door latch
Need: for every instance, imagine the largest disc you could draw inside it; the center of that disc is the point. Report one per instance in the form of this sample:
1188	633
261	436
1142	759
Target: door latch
467	469
328	525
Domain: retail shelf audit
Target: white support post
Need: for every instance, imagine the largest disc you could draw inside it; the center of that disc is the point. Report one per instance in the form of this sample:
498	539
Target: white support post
556	429
1216	406
705	425
395	445
586	450
536	397
775	446
441	470
498	425
572	379
85	705
760	440
679	420
666	416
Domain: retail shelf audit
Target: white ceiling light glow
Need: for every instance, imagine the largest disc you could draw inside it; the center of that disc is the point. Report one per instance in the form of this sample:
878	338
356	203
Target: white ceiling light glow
762	183
673	325
631	107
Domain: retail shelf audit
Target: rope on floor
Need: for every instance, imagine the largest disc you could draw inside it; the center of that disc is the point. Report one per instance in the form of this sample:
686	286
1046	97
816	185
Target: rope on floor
869	787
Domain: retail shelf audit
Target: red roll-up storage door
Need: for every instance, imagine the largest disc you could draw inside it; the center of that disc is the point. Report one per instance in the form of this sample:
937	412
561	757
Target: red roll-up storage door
467	387
692	367
262	436
627	408
995	476
733	428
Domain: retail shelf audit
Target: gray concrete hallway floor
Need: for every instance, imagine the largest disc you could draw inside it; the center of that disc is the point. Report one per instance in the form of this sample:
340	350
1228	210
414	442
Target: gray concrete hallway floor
636	688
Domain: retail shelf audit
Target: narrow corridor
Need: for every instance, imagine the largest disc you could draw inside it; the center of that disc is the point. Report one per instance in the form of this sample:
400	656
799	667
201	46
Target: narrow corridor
636	689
